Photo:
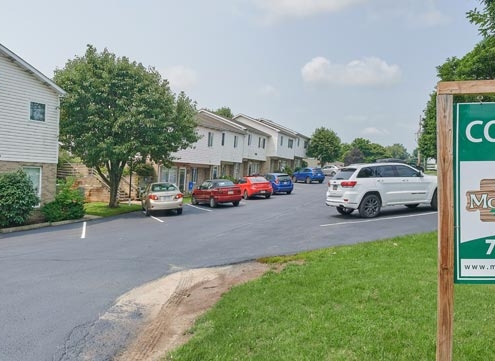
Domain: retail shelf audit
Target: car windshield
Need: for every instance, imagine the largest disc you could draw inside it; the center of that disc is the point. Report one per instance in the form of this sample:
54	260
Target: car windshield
257	179
345	173
283	177
317	170
224	183
163	187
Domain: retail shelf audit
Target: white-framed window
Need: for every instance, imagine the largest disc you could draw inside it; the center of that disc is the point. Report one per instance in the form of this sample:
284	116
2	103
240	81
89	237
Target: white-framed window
37	111
223	138
168	175
34	173
249	139
259	142
281	140
210	139
305	144
235	141
264	141
298	139
214	172
290	143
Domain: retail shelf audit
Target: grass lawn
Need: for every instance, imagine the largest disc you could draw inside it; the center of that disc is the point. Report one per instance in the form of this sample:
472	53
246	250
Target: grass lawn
374	301
101	209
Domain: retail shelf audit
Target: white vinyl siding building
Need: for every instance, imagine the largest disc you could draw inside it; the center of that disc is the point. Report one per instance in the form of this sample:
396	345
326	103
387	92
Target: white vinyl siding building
29	122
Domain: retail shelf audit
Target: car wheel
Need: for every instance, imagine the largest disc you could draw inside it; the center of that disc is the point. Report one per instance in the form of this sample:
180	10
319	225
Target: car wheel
179	211
245	195
434	201
321	181
235	203
370	206
294	179
194	200
267	196
344	211
289	192
332	174
412	205
213	203
308	180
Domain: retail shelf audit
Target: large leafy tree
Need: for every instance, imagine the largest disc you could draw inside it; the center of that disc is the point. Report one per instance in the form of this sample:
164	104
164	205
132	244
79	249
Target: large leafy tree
397	151
324	145
117	110
224	112
370	151
475	65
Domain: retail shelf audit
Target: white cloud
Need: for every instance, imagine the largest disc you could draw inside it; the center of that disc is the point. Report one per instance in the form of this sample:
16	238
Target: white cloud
280	9
180	77
367	71
374	131
269	90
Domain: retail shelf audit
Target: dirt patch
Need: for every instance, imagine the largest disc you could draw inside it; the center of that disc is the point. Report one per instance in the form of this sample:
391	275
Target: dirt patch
172	304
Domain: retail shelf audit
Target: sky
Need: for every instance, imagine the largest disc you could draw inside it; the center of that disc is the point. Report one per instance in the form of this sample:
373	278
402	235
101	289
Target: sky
362	68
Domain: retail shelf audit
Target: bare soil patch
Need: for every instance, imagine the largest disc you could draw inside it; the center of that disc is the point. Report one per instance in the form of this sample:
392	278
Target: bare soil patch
172	304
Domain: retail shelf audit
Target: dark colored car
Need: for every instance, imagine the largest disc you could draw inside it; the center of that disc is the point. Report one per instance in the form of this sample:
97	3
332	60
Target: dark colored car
308	175
215	191
255	186
281	182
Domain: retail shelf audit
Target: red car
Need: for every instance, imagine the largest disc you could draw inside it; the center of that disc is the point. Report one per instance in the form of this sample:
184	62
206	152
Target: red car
255	186
215	191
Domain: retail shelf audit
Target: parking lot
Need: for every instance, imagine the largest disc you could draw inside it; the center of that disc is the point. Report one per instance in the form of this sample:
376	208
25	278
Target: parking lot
54	283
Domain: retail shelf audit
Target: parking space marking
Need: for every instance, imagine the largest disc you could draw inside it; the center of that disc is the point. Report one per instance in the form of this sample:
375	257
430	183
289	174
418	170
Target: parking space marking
83	233
376	219
157	219
201	208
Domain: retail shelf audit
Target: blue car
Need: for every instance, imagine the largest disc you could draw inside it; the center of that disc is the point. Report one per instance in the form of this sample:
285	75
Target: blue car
281	182
308	175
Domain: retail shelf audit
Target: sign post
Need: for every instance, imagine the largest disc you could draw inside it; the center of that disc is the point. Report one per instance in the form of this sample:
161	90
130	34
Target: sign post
470	249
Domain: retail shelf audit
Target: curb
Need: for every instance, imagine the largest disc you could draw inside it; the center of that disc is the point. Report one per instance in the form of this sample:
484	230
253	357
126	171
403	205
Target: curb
47	224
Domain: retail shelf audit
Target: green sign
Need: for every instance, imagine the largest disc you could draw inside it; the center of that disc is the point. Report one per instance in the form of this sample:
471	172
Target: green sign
474	192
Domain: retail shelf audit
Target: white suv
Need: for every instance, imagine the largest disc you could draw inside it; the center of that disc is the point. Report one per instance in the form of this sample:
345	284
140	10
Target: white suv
369	187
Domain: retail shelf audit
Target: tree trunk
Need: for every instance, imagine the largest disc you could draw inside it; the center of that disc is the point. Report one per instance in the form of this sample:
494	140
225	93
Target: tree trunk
114	188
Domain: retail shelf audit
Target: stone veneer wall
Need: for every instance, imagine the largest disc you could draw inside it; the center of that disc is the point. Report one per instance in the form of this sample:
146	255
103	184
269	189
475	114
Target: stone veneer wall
48	176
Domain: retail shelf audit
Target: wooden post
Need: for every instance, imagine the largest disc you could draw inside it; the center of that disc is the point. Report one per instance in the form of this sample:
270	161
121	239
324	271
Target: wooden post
445	305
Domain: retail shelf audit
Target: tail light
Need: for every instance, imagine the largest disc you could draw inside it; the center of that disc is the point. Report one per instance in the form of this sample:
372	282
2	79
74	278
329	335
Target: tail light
348	184
153	197
179	196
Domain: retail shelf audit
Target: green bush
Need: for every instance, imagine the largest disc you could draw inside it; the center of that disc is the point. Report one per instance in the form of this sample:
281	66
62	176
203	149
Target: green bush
68	204
17	198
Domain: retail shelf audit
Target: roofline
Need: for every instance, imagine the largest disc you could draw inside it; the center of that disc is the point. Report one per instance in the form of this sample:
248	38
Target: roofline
274	126
31	69
222	119
257	121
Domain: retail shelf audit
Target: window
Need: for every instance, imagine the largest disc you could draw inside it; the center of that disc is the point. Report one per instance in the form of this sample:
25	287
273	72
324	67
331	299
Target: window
404	171
210	139
249	139
223	139
290	143
235	141
259	142
214	172
281	140
298	139
34	173
305	144
168	175
264	140
37	112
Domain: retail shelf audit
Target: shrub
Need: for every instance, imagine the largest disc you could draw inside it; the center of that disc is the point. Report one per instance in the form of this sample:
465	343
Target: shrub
68	203
17	198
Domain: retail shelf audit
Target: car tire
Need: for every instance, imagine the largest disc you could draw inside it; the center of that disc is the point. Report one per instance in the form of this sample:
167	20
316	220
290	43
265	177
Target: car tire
434	201
411	206
289	192
245	195
308	180
194	200
179	211
213	203
345	211
235	203
321	181
267	196
370	206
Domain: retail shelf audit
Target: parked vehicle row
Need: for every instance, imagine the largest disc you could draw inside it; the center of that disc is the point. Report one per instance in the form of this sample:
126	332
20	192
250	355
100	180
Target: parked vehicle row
370	187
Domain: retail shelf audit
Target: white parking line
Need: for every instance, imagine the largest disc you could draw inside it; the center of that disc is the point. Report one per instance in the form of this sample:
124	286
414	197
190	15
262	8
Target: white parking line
157	219
376	219
83	234
201	208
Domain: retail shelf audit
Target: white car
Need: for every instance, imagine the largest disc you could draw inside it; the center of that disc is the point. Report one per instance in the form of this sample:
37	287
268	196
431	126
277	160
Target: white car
161	196
330	170
369	187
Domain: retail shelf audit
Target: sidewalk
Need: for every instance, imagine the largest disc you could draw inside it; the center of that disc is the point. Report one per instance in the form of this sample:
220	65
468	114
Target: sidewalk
46	224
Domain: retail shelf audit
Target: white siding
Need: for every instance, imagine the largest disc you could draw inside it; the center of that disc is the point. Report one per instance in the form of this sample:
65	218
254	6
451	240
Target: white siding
22	139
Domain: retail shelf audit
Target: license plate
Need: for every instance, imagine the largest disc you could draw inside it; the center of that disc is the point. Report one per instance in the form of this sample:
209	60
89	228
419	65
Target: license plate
335	187
165	198
263	192
230	192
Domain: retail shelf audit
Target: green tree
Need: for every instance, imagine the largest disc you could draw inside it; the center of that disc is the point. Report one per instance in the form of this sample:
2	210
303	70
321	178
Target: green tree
485	19
397	151
370	151
17	198
116	110
354	155
324	145
224	112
